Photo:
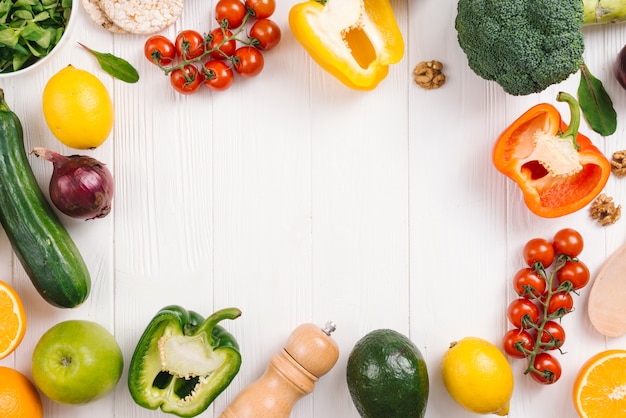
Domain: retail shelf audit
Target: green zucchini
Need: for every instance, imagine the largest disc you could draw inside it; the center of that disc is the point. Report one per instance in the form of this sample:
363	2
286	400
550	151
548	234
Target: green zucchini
40	241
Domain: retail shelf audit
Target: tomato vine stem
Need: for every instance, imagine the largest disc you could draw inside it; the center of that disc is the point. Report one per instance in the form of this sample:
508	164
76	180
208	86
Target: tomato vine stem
207	50
544	300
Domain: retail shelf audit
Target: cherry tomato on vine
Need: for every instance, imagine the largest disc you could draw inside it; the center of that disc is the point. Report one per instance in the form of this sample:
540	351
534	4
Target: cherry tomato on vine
189	44
548	369
159	49
574	272
261	9
568	241
230	13
186	80
227	49
553	333
515	338
529	284
523	313
217	75
248	61
538	250
560	304
265	34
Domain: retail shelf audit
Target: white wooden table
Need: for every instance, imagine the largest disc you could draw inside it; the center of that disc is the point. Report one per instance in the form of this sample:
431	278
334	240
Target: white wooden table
299	200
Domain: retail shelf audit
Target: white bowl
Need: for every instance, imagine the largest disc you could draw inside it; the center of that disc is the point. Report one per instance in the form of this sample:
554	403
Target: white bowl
64	39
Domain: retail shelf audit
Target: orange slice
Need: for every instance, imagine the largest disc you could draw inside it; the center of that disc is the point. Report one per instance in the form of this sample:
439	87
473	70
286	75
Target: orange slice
12	320
600	387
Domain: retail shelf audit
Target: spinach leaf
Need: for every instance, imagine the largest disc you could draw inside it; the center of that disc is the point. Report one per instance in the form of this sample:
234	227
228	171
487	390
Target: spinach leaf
115	66
596	104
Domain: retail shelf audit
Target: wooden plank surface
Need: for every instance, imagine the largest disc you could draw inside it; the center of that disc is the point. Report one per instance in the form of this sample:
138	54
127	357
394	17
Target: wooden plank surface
299	200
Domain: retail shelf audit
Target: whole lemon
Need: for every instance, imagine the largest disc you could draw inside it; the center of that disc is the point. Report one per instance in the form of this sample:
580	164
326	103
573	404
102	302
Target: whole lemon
478	376
77	108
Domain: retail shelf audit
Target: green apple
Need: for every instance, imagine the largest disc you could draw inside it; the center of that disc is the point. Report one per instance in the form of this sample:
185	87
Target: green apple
76	362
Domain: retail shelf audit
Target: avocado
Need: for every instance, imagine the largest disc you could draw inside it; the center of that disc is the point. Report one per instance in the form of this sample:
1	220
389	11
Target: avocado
387	376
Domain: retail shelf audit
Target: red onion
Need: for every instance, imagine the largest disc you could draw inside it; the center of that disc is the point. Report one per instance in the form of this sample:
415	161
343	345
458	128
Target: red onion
81	186
619	67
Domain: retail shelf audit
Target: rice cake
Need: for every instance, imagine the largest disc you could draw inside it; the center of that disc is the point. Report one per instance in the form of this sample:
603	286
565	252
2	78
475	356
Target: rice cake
142	16
92	7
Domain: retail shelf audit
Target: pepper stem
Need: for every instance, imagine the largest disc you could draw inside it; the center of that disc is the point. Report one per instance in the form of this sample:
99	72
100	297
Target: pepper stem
574	125
209	323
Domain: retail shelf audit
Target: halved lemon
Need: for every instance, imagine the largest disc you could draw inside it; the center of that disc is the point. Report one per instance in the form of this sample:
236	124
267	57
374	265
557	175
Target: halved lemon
12	320
600	387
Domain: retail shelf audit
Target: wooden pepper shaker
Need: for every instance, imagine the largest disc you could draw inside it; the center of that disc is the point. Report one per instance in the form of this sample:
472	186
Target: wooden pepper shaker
308	354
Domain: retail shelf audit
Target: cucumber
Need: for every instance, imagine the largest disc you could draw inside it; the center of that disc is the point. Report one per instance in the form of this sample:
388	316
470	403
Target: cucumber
38	238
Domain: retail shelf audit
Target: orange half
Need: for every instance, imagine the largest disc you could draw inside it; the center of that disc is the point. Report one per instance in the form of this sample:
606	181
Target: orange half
12	320
600	387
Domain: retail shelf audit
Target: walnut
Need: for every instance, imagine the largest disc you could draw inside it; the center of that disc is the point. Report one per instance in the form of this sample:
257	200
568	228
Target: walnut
618	163
603	210
428	75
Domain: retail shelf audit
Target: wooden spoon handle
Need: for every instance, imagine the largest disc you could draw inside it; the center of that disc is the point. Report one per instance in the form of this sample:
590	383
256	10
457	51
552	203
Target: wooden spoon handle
607	298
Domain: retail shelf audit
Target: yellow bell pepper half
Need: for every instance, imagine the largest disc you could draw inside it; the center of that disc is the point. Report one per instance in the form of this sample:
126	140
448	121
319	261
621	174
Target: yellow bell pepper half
354	40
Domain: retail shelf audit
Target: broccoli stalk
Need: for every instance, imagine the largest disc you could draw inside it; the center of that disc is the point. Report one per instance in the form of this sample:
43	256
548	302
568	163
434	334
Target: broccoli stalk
528	45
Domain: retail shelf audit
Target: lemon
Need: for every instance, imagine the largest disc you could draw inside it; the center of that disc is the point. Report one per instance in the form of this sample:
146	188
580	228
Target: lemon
77	108
478	376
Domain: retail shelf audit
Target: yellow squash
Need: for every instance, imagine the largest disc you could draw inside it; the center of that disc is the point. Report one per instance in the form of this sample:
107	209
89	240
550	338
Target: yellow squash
354	40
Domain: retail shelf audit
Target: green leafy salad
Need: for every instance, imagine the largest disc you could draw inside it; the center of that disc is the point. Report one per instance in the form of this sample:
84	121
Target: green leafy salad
29	29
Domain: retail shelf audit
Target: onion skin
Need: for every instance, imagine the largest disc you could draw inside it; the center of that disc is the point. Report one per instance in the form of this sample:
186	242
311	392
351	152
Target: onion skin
81	186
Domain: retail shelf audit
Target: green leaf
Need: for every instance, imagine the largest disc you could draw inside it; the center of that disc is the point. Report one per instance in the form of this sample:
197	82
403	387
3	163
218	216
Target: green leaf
10	37
5	8
41	17
19	60
23	14
595	103
115	66
37	34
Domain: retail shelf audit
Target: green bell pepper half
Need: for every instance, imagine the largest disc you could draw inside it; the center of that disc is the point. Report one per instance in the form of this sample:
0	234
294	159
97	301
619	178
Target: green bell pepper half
182	361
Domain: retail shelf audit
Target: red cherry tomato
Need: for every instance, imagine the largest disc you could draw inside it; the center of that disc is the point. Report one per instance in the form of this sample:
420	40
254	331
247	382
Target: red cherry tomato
265	34
159	50
248	61
538	250
515	341
189	44
217	75
548	369
230	13
529	284
568	241
227	49
523	313
574	272
553	335
261	9
560	304
186	80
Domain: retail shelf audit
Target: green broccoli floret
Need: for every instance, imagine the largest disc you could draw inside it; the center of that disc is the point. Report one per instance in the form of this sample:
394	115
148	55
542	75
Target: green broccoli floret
523	45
